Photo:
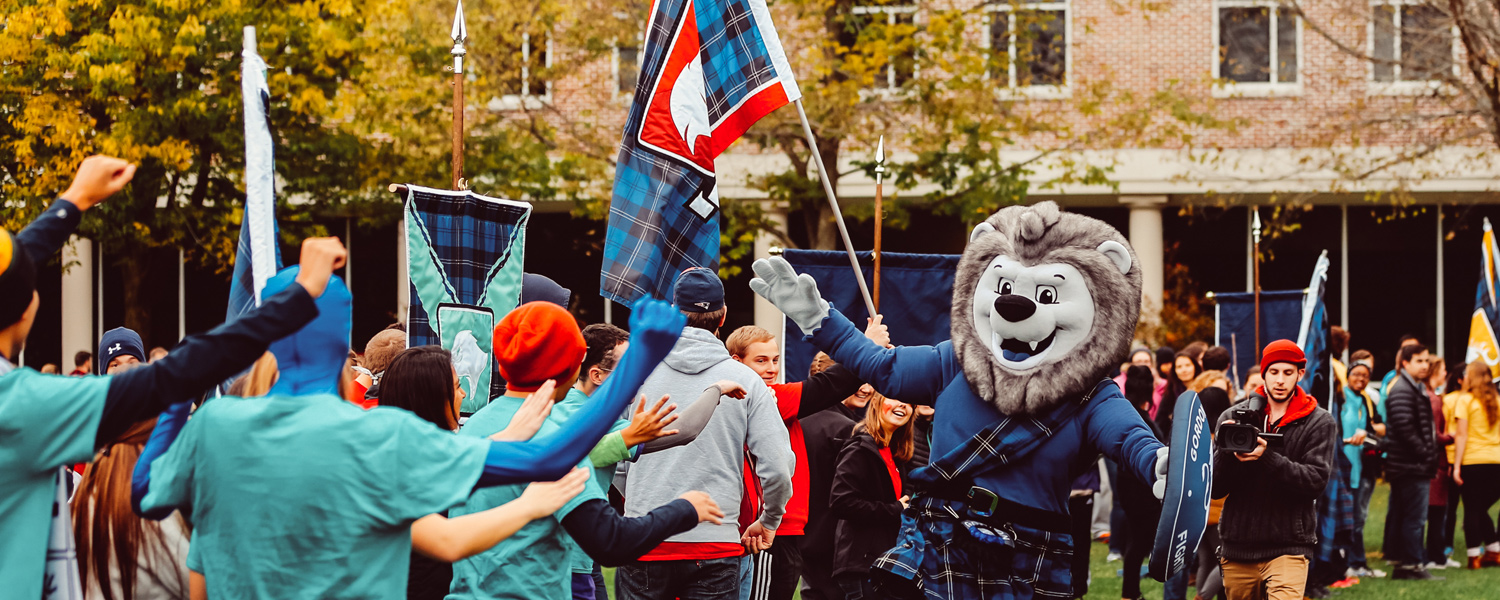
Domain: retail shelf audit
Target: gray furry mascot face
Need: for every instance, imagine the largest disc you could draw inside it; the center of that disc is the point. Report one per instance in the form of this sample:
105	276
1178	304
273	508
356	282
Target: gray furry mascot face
1044	304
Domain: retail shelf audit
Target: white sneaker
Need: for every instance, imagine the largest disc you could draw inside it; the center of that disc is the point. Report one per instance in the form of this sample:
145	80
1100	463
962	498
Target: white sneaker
1453	563
1434	566
1112	557
1365	572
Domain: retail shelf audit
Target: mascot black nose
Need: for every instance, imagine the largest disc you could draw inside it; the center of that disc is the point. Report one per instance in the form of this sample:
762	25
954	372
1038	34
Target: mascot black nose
1014	307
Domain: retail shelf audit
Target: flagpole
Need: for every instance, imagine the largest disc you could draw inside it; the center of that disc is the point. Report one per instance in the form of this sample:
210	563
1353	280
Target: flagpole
460	35
1255	232
879	212
833	201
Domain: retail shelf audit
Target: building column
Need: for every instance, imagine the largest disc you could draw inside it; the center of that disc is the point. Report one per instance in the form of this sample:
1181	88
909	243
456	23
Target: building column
1146	238
767	317
77	300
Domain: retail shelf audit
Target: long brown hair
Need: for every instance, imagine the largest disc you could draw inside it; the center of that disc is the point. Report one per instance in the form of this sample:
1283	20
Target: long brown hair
106	530
901	441
258	380
1478	383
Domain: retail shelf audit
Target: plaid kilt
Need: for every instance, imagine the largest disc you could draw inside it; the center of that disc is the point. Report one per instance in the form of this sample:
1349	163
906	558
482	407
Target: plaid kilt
935	552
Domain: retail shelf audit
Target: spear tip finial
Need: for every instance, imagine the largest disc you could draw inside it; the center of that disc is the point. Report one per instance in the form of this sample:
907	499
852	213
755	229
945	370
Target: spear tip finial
460	29
880	150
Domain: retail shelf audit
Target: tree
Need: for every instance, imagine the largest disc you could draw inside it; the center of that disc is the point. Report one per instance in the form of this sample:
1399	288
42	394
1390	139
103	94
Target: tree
358	100
158	84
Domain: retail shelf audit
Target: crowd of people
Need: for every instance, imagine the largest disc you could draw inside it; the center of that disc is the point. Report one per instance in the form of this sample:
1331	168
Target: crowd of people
672	451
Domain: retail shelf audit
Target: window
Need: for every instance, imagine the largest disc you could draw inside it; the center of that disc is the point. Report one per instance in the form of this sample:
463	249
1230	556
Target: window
1259	47
1409	42
627	68
895	24
525	77
1036	35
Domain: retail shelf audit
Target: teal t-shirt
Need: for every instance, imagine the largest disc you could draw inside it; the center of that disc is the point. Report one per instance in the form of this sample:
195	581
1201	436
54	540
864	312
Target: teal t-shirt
535	562
580	561
309	496
46	422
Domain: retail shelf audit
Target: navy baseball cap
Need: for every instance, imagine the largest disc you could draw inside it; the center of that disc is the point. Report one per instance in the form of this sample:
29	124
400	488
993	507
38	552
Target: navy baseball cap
698	290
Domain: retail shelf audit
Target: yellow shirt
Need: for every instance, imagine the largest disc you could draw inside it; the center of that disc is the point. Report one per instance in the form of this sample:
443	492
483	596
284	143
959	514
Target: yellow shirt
1451	402
1483	447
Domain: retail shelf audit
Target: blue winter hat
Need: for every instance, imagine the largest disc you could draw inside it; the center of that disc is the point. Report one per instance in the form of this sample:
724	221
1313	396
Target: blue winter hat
117	342
698	290
542	288
311	360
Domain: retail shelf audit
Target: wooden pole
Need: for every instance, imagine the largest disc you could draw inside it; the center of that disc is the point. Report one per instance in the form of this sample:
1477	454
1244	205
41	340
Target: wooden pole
460	35
833	201
879	213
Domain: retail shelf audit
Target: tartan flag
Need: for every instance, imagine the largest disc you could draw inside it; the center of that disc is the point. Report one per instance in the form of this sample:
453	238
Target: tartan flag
464	257
1482	342
710	70
258	255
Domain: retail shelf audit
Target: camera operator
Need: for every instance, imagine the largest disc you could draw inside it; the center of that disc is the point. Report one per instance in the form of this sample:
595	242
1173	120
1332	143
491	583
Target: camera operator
1269	527
1410	462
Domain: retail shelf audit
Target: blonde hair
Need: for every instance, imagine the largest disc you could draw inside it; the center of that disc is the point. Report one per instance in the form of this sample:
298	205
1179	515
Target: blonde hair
902	441
382	348
1479	384
1208	378
739	342
262	376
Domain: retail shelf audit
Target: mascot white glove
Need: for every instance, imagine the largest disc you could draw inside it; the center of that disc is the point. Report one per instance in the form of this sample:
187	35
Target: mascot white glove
793	294
1160	487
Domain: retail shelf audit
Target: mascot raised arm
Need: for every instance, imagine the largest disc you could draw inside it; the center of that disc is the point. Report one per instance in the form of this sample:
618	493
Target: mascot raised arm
1044	305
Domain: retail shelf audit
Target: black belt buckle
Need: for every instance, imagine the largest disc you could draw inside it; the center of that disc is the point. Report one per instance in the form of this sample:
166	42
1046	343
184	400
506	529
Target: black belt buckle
982	502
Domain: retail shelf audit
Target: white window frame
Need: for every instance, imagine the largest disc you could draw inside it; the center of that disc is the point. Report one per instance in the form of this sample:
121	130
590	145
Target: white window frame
1038	92
1400	87
890	13
614	61
526	99
1256	89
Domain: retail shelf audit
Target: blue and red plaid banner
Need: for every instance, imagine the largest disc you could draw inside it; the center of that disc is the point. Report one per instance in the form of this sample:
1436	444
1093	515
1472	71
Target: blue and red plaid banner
711	69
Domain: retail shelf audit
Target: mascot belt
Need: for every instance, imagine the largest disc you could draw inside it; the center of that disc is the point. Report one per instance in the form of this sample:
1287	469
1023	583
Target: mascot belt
949	529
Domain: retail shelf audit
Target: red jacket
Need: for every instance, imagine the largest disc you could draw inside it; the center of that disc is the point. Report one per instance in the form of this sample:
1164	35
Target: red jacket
797	400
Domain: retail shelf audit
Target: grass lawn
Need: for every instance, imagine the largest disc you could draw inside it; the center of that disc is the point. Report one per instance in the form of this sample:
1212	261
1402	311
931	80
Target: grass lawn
1461	584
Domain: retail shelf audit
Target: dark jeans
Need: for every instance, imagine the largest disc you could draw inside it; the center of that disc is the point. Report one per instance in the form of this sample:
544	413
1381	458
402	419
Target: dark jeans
1437	523
712	579
1356	549
1406	520
600	593
1481	491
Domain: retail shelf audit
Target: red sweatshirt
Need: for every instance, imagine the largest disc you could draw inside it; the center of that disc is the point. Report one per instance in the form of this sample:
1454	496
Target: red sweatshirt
789	402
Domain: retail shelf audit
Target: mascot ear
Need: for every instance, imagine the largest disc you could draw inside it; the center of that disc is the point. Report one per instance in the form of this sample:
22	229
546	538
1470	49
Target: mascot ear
981	229
1117	253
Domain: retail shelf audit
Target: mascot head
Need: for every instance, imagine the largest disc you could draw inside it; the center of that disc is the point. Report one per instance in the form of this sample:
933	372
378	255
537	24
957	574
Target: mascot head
1044	304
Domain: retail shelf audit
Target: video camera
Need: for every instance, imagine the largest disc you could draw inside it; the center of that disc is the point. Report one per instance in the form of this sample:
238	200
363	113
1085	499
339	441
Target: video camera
1240	436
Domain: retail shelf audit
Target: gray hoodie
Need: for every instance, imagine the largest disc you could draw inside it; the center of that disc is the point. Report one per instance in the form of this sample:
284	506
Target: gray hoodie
715	462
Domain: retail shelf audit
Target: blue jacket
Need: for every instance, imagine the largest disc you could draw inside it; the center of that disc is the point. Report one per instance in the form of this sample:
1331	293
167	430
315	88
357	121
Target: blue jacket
932	375
1354	418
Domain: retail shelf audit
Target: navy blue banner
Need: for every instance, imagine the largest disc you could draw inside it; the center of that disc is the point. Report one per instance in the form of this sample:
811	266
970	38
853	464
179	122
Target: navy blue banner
916	293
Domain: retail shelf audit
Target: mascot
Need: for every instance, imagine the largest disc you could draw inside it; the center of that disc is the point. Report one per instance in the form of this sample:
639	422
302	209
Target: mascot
1045	304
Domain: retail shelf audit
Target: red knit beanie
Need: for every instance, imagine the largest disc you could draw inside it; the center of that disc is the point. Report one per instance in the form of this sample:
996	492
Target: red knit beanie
536	342
1281	351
